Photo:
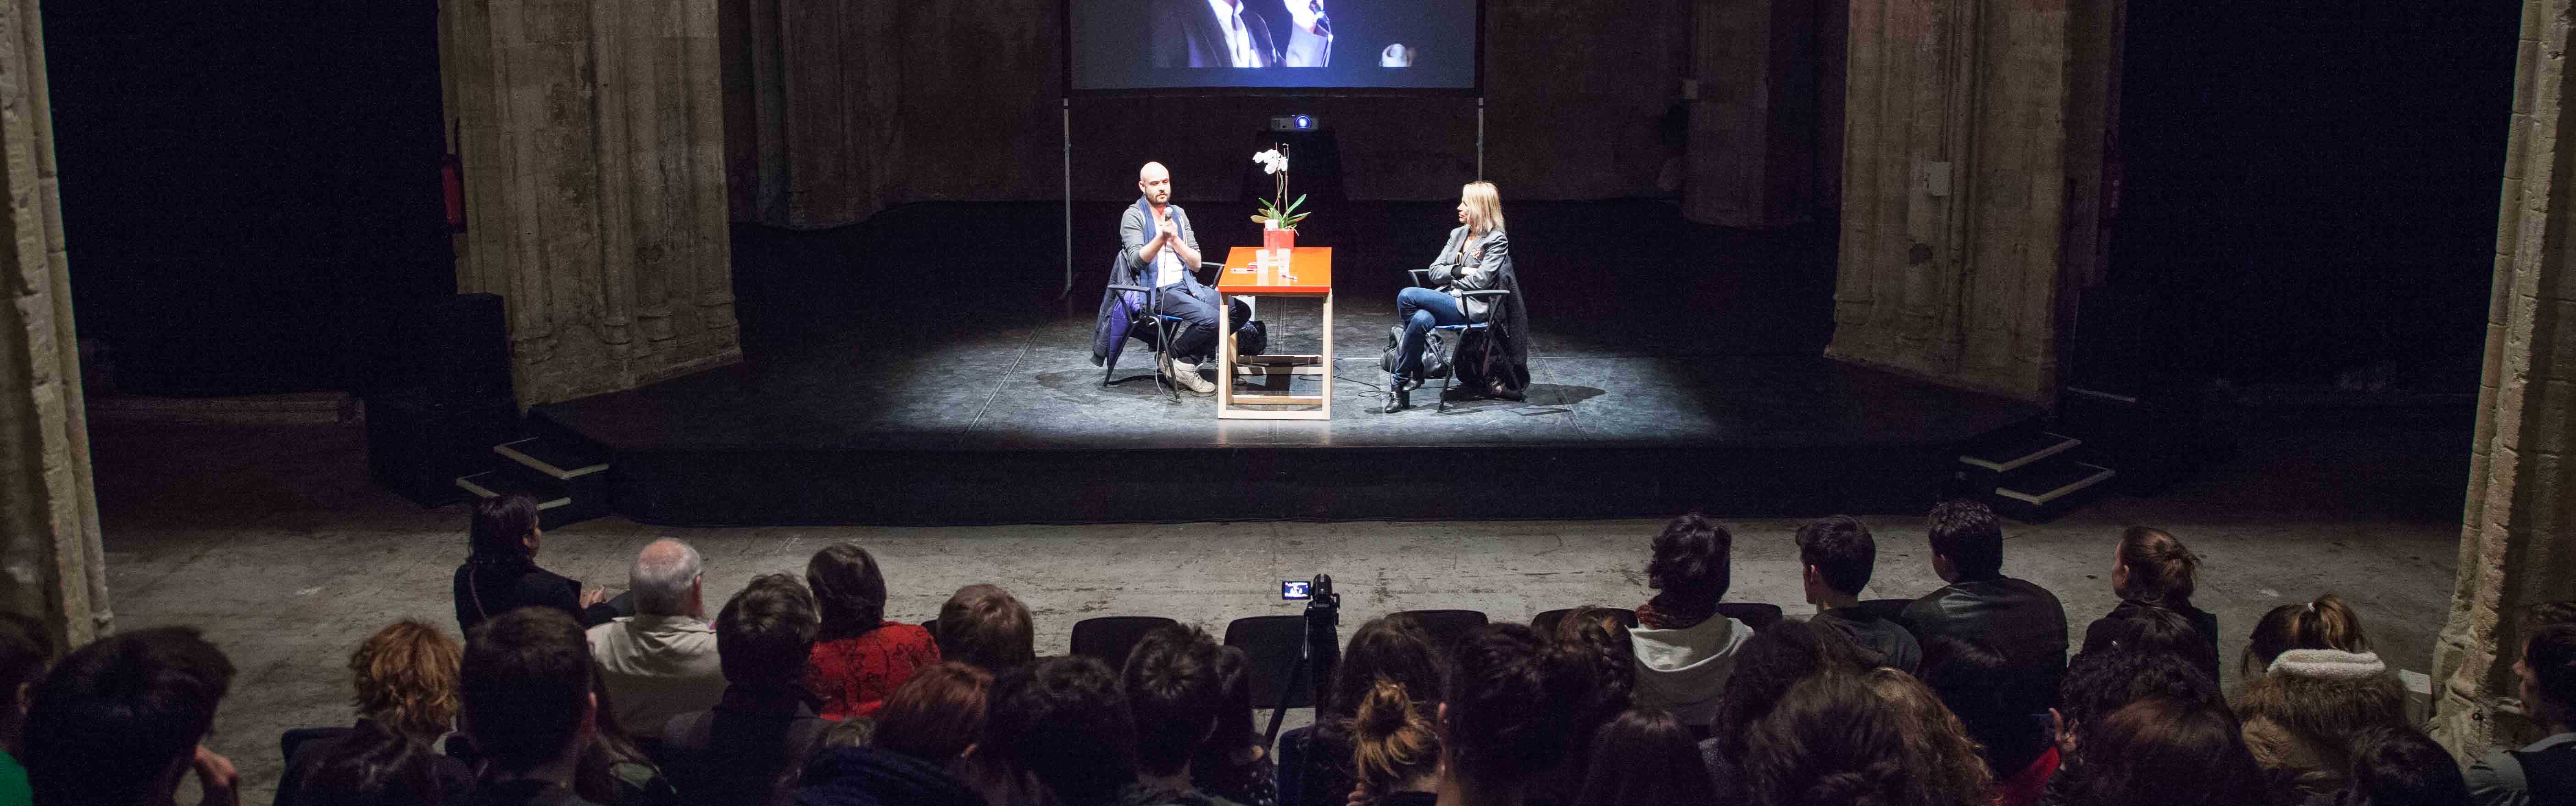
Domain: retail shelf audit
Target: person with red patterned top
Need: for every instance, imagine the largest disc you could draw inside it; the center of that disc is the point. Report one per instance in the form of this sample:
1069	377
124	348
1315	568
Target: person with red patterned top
861	657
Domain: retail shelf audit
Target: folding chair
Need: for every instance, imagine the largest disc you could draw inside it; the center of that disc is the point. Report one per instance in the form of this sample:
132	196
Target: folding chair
1272	644
1422	278
1147	323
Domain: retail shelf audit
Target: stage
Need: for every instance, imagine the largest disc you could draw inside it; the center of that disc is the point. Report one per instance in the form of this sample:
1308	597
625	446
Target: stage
883	387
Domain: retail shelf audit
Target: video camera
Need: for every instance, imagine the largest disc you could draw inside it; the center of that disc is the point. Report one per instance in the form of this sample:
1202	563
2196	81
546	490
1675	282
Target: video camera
1323	643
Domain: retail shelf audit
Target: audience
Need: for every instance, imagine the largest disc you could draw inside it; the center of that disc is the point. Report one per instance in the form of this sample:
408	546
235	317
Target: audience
1596	640
1504	715
1234	763
986	626
2398	766
374	765
2154	629
914	752
1685	649
1643	758
1062	723
661	662
526	680
2152	570
1173	691
1939	754
2543	771
1395	755
1315	764
405	677
860	656
1774	661
762	728
2166	752
614	770
1833	741
26	651
1982	689
2300	714
2021	619
500	573
117	722
1839	554
1827	710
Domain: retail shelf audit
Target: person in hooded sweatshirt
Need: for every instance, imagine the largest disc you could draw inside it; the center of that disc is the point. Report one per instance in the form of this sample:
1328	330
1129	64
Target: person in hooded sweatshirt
2323	687
1685	650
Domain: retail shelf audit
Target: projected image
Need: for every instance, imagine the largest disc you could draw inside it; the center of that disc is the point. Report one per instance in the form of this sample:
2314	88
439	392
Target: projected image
1223	33
1120	45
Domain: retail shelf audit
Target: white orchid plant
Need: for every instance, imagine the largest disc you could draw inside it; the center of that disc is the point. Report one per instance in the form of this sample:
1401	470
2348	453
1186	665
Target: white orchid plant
1275	163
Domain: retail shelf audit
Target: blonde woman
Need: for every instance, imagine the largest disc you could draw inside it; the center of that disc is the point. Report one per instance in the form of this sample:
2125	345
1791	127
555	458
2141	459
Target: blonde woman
1477	258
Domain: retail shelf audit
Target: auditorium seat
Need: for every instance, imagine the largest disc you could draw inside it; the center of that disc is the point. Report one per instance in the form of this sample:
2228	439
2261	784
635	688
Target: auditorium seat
1446	626
1110	637
1756	615
1272	644
1546	622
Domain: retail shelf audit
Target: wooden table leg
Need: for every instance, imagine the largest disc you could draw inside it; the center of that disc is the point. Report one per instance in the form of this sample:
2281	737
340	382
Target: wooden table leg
1328	355
1224	352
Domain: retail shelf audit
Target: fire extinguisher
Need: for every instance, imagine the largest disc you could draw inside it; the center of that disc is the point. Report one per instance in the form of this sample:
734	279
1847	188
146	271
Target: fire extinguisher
451	178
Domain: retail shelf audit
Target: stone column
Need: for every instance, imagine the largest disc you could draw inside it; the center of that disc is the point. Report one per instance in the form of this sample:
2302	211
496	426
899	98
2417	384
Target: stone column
594	181
51	565
2518	533
1752	154
1961	129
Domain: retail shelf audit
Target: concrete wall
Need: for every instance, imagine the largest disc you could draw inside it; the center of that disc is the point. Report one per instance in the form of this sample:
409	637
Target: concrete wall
837	110
2518	533
51	565
595	200
1965	124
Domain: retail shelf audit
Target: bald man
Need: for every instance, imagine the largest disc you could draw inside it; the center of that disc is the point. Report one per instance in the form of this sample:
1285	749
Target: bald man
661	662
1157	247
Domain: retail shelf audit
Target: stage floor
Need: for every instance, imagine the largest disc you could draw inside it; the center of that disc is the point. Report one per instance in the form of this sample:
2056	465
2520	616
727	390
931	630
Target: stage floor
1642	403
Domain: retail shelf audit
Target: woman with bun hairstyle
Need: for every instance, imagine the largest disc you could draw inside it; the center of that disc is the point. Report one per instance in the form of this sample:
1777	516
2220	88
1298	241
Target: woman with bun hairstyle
2318	687
1395	748
2151	568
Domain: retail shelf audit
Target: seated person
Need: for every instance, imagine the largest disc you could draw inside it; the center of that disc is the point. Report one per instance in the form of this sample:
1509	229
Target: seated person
500	573
735	752
1839	554
1685	648
2538	772
860	656
1157	249
1477	258
661	662
2022	620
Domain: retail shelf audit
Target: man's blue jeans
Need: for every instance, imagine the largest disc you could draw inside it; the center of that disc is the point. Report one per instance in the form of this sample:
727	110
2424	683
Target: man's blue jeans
1422	309
1196	304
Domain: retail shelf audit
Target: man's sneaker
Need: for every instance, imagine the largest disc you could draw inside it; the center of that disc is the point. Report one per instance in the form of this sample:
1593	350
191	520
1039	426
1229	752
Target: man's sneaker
1187	375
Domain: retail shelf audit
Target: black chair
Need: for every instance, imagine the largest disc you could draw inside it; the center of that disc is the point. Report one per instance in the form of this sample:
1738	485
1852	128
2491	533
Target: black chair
1546	622
1756	615
1272	644
1422	279
1149	325
1109	638
1446	626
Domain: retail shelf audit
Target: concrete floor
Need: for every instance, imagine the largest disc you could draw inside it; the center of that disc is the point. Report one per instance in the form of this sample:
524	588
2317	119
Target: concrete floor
271	540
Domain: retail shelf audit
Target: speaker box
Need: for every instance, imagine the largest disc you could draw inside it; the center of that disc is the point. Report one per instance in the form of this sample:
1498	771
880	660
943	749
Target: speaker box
418	447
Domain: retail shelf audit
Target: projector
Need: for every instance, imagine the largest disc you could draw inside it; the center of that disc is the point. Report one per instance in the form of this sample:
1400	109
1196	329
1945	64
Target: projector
1293	123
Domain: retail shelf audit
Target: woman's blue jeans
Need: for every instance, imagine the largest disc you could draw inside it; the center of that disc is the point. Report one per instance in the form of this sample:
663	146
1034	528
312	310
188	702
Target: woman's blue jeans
1422	309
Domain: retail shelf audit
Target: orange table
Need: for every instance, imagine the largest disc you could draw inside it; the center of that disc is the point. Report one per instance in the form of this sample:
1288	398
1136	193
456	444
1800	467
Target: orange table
1309	274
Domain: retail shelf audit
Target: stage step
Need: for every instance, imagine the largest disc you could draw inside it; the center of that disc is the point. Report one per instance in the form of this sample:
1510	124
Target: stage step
570	484
1985	464
2039	492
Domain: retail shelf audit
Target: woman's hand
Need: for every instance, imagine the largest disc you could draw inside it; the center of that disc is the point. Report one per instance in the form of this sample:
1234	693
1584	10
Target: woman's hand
593	596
